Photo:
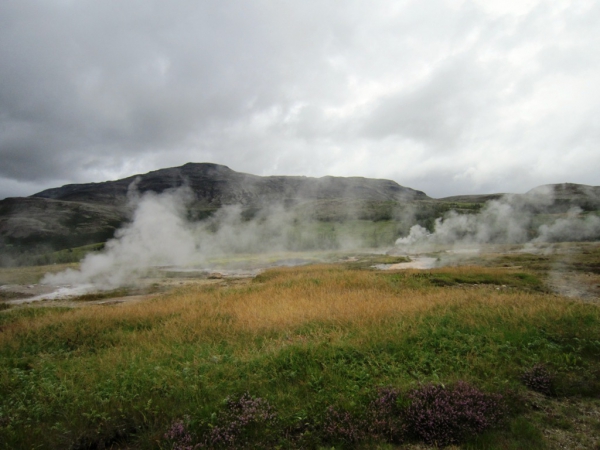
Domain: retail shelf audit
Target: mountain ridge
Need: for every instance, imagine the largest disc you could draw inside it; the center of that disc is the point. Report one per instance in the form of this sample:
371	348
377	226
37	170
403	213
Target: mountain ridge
79	214
218	184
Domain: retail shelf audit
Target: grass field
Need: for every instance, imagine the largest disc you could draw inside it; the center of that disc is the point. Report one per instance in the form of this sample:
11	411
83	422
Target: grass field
304	357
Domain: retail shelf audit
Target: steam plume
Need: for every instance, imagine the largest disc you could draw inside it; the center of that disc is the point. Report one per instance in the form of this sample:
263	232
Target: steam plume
509	220
157	235
160	234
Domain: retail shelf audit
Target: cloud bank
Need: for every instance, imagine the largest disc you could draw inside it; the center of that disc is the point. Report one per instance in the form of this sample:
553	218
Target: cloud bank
445	96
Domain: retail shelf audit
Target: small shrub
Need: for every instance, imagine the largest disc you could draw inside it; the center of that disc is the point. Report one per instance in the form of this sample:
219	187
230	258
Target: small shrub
385	421
180	437
244	421
442	416
342	426
241	422
539	379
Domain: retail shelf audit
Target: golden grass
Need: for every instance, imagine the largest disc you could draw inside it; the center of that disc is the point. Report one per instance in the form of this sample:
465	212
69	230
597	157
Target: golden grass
281	301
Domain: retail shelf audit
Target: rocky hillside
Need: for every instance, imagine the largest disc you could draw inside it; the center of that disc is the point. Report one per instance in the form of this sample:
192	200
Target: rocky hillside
78	214
557	197
56	224
219	185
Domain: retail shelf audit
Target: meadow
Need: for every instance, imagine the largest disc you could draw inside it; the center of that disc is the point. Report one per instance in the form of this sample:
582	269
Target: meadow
319	356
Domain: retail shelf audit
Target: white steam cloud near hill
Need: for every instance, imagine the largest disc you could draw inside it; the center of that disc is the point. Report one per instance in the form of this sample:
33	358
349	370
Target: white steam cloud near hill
157	235
160	234
509	220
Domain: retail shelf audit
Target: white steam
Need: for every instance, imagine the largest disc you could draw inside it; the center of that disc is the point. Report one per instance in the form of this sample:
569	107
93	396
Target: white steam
160	234
157	235
573	227
509	220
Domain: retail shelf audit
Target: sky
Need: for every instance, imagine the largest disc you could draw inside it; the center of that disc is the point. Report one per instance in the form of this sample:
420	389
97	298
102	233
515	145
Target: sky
445	96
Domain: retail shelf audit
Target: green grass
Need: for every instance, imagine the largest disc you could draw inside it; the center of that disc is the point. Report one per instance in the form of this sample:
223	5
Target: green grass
69	255
302	338
520	433
32	256
101	295
468	276
30	274
8	295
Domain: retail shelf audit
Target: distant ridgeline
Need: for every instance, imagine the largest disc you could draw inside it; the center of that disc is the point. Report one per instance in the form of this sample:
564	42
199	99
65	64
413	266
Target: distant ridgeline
378	211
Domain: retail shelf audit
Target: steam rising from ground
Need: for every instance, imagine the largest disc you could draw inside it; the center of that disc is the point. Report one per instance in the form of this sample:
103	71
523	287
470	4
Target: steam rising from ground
160	234
509	220
157	235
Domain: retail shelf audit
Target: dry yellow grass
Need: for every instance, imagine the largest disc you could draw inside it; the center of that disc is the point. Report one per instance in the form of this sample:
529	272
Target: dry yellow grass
281	301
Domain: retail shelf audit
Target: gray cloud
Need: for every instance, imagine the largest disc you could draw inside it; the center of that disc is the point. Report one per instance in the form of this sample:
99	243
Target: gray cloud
439	111
447	96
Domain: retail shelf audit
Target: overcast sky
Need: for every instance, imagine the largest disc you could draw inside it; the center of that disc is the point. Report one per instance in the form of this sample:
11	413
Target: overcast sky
445	96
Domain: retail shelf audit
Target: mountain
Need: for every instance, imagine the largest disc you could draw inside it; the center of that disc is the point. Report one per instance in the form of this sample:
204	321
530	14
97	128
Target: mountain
78	214
32	221
219	185
476	198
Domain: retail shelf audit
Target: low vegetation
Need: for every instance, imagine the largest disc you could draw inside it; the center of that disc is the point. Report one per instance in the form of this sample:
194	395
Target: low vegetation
30	274
318	356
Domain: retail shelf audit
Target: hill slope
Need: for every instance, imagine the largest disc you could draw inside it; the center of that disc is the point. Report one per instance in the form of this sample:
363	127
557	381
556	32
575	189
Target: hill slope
78	214
561	195
219	185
